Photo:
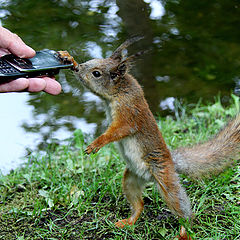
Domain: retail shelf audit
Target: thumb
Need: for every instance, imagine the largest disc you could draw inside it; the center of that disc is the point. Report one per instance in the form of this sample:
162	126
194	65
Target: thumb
14	44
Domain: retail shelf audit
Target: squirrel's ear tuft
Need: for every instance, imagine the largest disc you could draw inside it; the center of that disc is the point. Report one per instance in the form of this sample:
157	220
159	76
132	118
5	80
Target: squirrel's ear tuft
134	56
127	63
117	54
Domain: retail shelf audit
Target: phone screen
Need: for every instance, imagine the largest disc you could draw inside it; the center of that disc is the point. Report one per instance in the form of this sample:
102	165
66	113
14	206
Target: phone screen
43	60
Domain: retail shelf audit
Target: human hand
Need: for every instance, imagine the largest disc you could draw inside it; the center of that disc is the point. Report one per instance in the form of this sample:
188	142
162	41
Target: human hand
12	43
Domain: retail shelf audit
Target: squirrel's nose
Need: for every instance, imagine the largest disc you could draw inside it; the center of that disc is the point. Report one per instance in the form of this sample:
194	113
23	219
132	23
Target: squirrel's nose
80	66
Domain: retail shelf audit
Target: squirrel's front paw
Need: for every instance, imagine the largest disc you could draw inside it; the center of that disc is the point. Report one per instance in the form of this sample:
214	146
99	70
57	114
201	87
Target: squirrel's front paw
92	148
66	57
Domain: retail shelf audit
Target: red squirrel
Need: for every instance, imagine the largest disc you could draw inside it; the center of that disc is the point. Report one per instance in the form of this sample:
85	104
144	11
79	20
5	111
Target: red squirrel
140	141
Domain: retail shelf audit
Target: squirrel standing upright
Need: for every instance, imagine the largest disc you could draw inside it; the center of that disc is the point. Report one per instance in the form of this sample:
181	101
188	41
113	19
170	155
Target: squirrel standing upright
141	143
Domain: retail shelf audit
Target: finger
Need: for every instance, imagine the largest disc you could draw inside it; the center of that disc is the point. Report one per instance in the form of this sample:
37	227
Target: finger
14	44
52	86
3	51
36	84
15	85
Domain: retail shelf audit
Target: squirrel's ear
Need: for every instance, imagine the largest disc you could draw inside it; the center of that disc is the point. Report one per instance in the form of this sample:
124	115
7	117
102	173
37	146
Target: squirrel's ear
117	54
118	72
122	68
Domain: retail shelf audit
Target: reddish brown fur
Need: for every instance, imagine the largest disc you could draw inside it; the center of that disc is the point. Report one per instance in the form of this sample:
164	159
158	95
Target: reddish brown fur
134	199
141	143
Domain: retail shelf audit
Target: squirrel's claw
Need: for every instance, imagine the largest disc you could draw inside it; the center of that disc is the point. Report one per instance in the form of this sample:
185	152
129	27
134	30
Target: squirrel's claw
91	149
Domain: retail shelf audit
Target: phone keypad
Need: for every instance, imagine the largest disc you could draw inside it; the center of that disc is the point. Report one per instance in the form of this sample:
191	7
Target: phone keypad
5	68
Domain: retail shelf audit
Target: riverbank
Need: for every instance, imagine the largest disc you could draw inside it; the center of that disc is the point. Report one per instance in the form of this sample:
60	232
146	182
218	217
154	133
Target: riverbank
68	195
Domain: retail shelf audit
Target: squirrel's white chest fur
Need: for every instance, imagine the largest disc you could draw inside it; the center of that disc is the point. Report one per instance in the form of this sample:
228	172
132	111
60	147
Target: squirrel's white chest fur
131	151
132	154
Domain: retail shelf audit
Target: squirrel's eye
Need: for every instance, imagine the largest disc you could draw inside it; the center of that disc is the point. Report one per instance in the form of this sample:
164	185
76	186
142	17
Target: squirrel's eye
96	74
113	75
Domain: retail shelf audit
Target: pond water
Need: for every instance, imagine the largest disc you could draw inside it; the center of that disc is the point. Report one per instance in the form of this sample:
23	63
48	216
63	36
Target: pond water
194	53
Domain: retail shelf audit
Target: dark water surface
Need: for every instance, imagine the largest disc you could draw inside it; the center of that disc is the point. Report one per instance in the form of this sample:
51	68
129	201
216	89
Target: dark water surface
195	53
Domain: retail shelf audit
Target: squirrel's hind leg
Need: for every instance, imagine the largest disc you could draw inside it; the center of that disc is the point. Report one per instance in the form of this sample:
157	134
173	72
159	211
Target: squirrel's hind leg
132	188
173	193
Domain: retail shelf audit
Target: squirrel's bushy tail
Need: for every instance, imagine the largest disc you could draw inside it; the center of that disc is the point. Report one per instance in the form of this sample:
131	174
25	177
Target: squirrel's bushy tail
212	156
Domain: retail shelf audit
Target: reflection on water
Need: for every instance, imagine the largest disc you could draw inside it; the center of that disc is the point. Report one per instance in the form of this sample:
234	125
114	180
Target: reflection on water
13	138
194	54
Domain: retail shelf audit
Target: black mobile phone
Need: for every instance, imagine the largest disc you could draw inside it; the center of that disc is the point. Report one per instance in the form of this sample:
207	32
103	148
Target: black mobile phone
44	63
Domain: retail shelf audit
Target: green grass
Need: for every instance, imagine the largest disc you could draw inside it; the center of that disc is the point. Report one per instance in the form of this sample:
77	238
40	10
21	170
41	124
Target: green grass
68	195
